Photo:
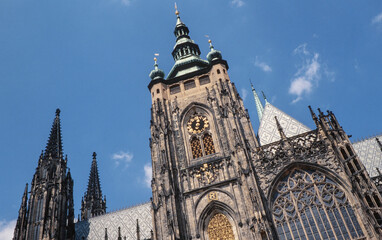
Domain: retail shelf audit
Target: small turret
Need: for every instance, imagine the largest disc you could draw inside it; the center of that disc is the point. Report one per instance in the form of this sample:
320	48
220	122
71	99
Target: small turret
213	54
156	73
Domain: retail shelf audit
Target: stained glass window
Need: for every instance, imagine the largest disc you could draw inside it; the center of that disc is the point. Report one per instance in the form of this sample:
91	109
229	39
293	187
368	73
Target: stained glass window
208	144
196	148
219	228
309	205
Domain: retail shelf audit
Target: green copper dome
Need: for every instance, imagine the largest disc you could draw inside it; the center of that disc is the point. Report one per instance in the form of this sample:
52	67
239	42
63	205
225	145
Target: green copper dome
156	73
213	54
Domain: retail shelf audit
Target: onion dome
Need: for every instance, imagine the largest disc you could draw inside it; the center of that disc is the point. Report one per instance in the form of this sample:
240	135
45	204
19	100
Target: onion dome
213	54
156	73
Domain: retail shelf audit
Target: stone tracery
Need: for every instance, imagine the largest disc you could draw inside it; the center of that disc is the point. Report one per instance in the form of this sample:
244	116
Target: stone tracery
308	205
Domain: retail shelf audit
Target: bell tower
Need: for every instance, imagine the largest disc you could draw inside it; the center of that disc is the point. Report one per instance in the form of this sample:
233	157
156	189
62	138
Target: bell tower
201	143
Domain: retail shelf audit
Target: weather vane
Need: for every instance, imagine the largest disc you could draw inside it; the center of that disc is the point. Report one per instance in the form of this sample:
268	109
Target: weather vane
176	10
209	40
155	58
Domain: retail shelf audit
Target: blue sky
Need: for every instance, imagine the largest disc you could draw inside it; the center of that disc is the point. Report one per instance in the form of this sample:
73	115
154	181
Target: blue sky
91	58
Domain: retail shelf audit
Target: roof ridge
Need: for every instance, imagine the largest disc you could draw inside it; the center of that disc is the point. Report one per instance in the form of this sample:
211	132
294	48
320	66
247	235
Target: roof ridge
361	139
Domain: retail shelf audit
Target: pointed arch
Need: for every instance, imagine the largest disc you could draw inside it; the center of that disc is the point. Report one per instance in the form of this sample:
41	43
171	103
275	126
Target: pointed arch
310	202
209	215
203	141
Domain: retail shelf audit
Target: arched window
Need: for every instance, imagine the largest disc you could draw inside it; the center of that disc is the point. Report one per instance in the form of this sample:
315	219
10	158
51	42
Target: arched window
219	228
208	144
201	142
196	148
306	204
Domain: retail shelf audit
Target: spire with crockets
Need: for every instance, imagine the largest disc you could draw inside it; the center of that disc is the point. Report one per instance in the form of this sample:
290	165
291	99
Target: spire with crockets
54	145
93	204
49	211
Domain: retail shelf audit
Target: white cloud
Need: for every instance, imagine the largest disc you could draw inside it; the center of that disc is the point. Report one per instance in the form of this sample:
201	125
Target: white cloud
377	19
7	229
237	3
308	75
262	65
244	93
126	2
122	158
148	174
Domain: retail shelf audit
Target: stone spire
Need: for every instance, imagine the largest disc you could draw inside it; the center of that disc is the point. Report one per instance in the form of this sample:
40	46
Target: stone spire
54	145
50	206
280	129
93	204
259	105
21	225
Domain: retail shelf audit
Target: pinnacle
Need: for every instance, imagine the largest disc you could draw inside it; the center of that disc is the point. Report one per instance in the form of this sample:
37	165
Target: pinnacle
54	145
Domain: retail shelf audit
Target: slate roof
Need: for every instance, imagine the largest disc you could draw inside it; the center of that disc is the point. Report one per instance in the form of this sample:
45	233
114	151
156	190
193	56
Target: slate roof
268	132
94	228
370	153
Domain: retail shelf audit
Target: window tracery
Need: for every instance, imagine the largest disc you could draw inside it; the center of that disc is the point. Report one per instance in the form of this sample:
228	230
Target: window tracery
309	205
201	142
219	228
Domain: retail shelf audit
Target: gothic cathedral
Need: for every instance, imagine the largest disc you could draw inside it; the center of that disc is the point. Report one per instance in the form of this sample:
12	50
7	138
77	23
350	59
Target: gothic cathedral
214	178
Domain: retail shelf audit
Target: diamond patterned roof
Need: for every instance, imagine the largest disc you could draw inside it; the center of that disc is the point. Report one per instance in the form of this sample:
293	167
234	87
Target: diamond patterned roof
94	228
268	132
370	154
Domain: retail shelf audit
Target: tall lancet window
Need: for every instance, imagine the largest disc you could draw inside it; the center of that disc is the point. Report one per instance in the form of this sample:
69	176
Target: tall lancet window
201	140
306	204
196	148
208	144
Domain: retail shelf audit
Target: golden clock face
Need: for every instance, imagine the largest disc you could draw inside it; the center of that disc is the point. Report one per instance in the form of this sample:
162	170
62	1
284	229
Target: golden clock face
197	124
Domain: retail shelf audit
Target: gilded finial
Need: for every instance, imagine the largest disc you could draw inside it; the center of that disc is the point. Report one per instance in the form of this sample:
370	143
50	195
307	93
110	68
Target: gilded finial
155	58
176	10
209	41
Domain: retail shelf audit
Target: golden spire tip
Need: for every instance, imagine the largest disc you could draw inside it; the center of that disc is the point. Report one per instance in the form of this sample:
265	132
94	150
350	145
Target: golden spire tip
176	10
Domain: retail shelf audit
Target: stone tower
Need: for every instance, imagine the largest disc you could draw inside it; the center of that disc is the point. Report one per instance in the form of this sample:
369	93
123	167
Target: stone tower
93	203
49	213
213	179
202	142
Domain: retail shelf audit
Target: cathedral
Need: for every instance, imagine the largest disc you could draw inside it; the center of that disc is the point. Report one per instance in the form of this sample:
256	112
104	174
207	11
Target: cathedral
214	177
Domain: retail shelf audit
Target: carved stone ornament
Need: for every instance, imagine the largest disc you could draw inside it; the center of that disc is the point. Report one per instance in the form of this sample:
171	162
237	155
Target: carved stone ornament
207	173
